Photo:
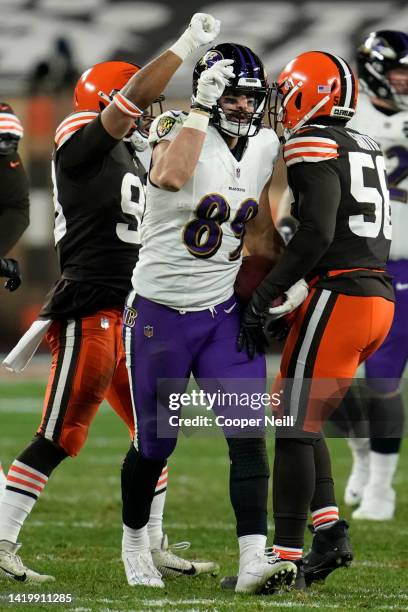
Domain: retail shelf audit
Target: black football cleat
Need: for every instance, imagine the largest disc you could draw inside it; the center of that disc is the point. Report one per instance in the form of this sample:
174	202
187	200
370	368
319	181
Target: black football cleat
300	582
331	549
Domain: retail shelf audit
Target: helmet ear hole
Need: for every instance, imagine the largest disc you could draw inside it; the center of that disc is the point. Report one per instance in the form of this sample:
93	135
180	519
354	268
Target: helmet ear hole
298	100
333	86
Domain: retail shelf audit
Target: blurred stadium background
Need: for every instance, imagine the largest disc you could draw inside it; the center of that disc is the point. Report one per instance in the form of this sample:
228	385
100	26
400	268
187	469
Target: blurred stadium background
46	44
75	532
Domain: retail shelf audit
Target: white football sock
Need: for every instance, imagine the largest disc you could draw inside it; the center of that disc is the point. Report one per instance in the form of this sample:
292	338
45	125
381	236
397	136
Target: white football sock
249	545
135	540
14	509
360	448
382	470
155	524
24	487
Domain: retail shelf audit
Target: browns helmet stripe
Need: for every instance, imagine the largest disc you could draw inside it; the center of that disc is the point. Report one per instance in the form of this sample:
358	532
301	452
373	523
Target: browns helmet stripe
347	82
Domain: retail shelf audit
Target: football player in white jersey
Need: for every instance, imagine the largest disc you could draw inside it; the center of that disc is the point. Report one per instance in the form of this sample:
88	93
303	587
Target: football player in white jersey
382	113
207	192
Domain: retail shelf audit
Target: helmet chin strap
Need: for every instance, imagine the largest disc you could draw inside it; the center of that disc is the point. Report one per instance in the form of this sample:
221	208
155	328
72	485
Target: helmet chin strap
231	129
104	97
310	114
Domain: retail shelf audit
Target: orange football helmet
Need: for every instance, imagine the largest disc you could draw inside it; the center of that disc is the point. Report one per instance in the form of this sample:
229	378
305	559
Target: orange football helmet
314	84
96	87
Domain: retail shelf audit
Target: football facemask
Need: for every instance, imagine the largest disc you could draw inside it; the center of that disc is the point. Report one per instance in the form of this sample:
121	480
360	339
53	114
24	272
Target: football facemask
138	136
230	115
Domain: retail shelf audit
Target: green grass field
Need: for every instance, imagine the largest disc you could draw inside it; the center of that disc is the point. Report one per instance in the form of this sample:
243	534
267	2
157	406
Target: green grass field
74	531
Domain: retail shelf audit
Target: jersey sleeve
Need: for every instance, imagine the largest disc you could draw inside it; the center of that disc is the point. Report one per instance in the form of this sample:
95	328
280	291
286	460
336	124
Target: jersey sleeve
11	130
14	201
317	189
81	140
310	145
166	126
10	124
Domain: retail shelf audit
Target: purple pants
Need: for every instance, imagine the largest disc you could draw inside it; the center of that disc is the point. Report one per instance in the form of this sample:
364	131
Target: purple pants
386	366
166	344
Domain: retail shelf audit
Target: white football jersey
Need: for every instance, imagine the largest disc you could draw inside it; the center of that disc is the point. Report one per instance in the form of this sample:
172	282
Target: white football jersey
192	239
391	133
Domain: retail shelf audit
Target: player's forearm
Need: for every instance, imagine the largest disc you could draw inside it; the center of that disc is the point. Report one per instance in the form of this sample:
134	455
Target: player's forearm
261	236
147	84
141	90
178	163
267	243
298	259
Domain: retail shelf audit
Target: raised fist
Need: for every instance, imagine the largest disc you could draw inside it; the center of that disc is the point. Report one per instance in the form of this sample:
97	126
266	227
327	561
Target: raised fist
203	29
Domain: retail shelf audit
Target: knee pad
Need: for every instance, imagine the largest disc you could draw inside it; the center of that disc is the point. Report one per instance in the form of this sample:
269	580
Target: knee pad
248	457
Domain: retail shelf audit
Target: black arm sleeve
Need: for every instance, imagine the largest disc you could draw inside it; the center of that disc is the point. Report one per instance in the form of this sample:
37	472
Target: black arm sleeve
14	201
87	147
317	189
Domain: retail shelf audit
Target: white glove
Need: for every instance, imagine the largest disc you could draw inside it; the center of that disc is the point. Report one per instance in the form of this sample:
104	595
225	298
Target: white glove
203	29
212	83
295	296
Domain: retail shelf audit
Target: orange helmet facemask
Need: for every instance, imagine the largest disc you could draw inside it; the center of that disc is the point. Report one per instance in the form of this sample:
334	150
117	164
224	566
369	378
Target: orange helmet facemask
314	84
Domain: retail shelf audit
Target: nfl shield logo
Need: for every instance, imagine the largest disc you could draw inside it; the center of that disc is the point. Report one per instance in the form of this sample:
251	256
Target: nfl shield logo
238	172
104	323
148	331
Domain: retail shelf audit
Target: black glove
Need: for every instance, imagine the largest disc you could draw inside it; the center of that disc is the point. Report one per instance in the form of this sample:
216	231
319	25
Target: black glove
251	334
10	269
277	329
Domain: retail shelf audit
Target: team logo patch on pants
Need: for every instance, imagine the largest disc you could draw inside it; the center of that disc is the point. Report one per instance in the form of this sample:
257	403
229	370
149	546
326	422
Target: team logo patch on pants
129	317
104	323
148	331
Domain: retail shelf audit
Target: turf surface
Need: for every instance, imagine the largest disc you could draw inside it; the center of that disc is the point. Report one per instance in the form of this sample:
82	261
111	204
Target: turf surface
74	531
